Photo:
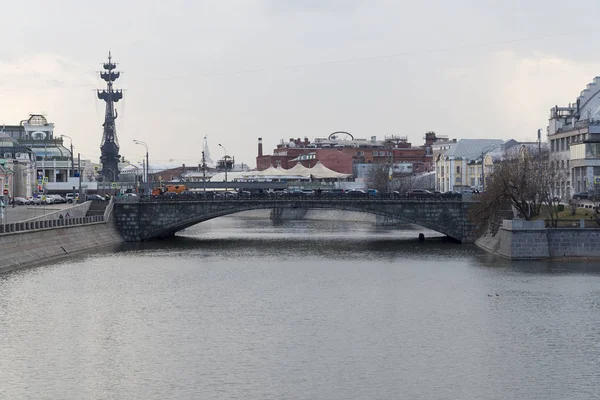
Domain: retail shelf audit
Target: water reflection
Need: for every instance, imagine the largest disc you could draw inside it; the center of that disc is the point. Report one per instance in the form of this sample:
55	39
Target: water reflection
305	310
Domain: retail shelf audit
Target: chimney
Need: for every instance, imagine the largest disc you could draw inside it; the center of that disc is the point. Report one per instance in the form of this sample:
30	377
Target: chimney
260	147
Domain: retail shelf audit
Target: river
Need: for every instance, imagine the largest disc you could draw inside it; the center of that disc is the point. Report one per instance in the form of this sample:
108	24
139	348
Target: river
240	308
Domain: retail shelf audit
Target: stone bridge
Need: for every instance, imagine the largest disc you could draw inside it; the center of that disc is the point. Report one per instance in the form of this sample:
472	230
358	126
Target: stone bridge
140	219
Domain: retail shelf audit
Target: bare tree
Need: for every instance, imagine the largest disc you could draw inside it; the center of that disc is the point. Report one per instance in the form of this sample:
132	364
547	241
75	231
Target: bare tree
379	177
522	180
403	183
550	175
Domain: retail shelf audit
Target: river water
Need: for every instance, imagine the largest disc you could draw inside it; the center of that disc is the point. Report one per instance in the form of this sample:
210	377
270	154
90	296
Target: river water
239	308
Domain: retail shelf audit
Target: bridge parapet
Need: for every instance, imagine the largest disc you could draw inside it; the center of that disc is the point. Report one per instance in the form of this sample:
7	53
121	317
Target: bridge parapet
148	219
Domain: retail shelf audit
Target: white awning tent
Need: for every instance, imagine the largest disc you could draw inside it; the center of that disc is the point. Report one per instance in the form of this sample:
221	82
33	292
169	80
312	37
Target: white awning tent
298	169
319	171
298	172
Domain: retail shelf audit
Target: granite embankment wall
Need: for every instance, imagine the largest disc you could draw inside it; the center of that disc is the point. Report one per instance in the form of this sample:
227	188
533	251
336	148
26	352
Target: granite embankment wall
531	240
32	243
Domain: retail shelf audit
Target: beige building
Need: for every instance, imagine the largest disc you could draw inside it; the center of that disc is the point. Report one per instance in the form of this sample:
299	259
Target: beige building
459	167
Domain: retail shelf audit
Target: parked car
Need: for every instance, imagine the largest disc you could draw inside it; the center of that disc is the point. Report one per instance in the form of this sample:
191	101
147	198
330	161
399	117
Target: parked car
451	195
357	194
69	197
206	195
36	201
333	193
419	193
292	193
21	201
57	199
581	196
95	197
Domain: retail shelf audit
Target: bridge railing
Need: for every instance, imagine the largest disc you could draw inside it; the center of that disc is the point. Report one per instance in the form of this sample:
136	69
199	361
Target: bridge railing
281	197
593	223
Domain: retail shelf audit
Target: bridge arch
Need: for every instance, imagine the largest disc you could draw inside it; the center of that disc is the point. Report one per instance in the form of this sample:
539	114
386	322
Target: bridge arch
147	220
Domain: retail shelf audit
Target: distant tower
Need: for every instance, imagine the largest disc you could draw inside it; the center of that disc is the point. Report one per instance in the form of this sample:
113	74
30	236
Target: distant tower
206	150
110	145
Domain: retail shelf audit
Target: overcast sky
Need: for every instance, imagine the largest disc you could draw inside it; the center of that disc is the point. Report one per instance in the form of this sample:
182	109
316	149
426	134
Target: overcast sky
276	69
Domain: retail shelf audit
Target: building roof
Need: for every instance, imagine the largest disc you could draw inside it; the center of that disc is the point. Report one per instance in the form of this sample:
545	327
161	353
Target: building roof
7	141
472	148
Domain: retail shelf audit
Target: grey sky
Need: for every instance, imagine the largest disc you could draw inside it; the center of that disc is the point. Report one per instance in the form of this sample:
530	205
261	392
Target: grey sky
237	70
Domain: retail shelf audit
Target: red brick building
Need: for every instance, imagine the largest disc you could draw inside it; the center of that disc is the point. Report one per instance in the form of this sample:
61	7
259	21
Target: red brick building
341	155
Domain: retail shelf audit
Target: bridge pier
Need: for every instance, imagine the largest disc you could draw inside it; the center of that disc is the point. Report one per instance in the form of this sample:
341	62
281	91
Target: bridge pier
287	214
381	220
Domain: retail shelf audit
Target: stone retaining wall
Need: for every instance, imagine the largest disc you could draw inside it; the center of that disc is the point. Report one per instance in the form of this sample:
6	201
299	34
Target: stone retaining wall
531	240
23	249
573	242
33	242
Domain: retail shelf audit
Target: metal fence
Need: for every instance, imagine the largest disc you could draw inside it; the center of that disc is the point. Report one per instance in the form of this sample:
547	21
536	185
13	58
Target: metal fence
48	224
574	223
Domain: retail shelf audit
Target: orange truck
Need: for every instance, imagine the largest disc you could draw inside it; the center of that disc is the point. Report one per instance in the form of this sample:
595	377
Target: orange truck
157	191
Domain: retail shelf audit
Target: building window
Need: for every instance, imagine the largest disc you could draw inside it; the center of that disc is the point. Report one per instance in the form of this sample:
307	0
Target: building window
458	169
567	164
562	164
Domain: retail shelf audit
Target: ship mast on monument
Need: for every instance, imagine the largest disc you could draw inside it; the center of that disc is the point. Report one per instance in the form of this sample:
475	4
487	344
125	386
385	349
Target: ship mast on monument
110	145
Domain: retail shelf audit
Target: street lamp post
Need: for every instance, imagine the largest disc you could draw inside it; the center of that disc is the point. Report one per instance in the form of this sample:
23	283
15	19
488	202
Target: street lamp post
203	173
71	142
147	163
224	160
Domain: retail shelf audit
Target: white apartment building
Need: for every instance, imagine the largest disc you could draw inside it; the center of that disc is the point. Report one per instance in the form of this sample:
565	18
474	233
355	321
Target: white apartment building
574	138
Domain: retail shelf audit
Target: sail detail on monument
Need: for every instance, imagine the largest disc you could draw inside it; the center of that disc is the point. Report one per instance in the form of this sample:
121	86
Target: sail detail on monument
109	147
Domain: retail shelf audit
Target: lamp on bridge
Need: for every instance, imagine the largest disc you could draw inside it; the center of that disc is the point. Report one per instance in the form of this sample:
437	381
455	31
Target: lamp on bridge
147	164
224	160
72	164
